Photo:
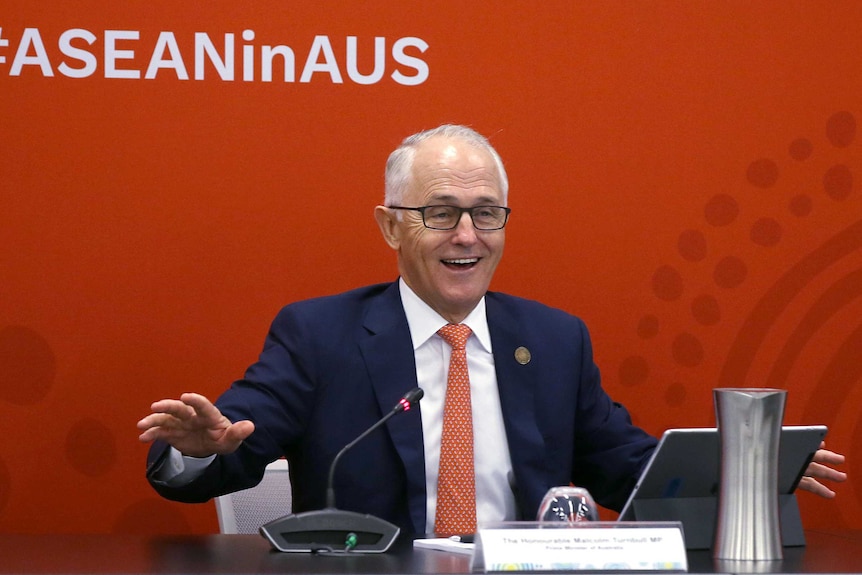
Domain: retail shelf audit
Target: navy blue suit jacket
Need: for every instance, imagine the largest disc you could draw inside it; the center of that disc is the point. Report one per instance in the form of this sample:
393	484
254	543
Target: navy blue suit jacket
332	366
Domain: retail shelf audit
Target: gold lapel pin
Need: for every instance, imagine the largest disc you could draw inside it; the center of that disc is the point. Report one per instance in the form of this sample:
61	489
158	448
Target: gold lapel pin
522	355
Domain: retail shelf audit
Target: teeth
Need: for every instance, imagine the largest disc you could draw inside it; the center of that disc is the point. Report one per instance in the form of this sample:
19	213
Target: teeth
462	261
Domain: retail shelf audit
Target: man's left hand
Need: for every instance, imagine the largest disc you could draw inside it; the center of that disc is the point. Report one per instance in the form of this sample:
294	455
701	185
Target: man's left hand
821	468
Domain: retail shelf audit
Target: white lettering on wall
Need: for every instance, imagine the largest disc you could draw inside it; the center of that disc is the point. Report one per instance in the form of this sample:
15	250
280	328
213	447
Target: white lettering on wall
113	53
31	39
68	49
173	60
379	61
223	65
132	55
417	64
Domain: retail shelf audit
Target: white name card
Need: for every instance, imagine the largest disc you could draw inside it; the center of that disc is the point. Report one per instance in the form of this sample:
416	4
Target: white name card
586	546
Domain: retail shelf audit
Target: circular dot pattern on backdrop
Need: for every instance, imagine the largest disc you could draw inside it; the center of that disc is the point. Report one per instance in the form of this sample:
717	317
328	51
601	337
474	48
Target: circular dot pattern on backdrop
91	448
634	370
692	245
27	366
667	283
813	178
762	173
648	326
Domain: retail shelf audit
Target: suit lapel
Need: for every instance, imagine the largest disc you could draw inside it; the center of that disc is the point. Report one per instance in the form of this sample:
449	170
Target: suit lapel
388	353
516	383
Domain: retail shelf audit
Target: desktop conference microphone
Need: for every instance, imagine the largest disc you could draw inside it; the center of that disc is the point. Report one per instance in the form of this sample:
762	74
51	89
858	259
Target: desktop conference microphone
335	530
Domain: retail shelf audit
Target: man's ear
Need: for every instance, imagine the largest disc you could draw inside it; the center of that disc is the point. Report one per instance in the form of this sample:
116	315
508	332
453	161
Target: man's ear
388	226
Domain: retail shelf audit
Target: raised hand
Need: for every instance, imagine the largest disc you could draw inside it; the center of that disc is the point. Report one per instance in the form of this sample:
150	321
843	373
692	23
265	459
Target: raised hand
193	426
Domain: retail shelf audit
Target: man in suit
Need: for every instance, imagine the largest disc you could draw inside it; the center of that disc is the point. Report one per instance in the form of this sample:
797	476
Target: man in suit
332	366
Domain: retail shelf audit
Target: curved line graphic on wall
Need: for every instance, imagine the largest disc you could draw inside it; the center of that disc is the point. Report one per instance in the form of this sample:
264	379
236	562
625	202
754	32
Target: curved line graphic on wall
842	372
839	295
758	323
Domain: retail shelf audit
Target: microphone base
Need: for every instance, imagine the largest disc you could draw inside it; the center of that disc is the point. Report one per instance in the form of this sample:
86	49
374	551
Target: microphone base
328	531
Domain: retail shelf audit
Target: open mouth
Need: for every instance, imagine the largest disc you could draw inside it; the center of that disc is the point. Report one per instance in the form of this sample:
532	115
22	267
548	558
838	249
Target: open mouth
460	263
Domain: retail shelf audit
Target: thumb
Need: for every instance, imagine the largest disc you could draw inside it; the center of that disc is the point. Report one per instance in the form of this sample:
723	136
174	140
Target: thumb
238	432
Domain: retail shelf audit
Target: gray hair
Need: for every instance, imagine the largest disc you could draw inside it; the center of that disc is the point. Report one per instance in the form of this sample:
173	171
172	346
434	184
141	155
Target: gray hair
400	163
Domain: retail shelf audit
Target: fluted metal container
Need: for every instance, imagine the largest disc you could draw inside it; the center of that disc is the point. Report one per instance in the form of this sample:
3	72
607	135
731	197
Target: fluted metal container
748	526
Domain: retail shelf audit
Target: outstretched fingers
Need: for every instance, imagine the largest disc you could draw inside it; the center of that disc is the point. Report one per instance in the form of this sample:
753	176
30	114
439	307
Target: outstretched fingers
821	468
193	425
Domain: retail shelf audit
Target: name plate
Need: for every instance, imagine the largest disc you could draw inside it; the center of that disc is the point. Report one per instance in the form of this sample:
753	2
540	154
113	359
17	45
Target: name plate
583	546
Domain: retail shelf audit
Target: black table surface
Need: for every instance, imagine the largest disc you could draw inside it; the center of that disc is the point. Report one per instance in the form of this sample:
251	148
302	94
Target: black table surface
826	552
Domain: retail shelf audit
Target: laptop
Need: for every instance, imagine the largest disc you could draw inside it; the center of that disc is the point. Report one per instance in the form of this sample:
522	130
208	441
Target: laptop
680	482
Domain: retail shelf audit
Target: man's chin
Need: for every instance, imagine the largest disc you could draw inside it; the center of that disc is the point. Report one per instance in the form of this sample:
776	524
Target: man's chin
459	306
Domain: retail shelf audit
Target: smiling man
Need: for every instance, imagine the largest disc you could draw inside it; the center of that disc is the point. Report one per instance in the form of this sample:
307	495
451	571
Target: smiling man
447	259
513	400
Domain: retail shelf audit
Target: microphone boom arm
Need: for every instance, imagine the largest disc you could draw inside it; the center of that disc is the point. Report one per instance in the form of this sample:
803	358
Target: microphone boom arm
333	530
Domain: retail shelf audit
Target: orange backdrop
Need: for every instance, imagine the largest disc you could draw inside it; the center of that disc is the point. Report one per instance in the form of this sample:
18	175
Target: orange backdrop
684	176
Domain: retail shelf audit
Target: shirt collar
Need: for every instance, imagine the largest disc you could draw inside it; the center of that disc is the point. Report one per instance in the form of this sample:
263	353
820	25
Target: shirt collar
424	321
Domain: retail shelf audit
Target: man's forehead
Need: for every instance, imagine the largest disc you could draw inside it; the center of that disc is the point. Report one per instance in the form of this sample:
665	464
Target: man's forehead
447	168
447	180
456	160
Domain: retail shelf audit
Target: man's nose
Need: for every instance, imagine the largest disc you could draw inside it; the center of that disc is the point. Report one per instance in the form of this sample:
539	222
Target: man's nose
465	231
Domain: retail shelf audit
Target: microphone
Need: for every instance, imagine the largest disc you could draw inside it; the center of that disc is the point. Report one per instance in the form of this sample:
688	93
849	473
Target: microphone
335	530
410	399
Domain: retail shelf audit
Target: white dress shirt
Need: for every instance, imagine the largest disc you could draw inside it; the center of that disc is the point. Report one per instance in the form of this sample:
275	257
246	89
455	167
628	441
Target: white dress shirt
495	499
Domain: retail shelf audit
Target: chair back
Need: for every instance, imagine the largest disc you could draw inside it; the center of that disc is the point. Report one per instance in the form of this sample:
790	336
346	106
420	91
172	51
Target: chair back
245	511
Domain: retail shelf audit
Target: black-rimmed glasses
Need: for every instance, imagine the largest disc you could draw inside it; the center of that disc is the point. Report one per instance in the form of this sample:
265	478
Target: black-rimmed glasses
485	218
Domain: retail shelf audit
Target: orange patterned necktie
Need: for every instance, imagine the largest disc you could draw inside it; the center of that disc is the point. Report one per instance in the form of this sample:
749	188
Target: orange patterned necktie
456	483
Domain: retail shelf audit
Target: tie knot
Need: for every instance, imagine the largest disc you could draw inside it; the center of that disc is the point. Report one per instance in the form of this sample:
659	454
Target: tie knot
455	334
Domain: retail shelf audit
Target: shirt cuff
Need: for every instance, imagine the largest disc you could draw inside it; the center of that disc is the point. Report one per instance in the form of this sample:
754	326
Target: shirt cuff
178	470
